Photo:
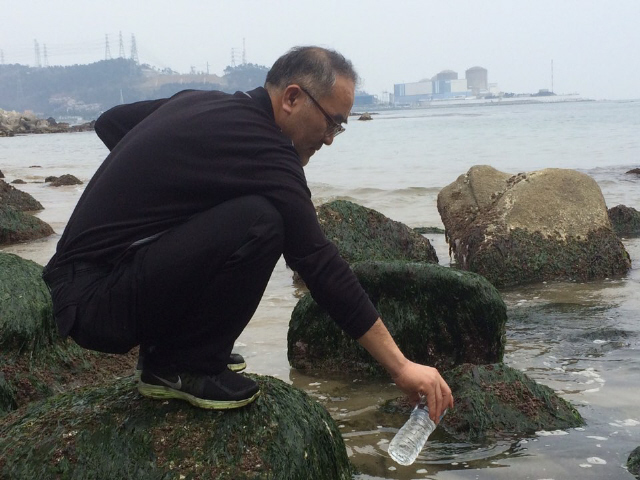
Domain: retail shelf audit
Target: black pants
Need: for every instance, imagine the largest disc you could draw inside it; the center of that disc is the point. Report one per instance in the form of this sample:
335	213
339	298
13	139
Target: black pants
190	292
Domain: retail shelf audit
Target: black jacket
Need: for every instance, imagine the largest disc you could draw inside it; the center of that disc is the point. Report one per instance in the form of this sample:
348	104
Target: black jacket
173	158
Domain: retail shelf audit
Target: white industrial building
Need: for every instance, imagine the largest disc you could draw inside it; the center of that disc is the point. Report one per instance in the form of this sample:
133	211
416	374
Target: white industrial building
443	86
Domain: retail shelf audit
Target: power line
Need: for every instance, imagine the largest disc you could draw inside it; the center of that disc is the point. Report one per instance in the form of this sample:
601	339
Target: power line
121	52
107	50
36	47
134	49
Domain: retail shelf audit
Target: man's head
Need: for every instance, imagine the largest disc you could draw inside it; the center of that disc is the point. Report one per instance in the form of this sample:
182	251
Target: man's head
312	91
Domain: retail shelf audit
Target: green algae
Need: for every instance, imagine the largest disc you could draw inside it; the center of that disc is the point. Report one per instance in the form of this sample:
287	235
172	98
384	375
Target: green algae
625	221
496	400
111	431
425	230
500	399
361	234
34	361
524	257
17	199
26	318
437	316
16	226
633	463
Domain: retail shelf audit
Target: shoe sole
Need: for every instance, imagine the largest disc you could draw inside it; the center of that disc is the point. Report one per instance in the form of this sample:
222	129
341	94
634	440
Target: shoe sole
234	367
159	392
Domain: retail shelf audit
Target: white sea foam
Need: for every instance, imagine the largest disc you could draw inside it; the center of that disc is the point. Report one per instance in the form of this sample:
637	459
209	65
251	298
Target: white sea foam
553	433
629	422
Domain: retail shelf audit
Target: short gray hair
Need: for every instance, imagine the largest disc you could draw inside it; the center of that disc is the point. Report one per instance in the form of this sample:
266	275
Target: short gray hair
313	68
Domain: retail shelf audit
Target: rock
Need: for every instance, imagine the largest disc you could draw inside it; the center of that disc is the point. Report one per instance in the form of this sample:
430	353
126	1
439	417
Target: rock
361	233
365	116
633	463
65	179
16	226
83	127
34	361
427	230
546	225
26	320
14	123
625	221
50	178
496	399
1	174
438	316
635	170
16	199
110	431
19	181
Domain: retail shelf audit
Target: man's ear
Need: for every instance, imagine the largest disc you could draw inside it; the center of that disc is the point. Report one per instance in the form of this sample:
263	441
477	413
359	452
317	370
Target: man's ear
290	98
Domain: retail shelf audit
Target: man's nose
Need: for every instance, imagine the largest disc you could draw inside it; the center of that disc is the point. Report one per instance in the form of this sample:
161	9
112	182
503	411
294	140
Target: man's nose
328	139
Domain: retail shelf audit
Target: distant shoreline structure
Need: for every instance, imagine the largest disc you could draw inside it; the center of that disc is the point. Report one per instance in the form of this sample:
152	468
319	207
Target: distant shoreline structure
481	102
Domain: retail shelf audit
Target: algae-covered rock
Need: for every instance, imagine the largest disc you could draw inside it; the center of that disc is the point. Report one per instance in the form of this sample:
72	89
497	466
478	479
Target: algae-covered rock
361	234
26	322
550	224
633	463
438	316
34	361
10	196
498	400
625	220
26	318
66	179
16	226
111	432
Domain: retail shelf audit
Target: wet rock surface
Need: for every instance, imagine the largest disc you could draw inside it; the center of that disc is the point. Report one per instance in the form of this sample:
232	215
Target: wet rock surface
66	179
625	220
16	226
497	400
361	234
12	197
110	431
633	463
531	227
438	316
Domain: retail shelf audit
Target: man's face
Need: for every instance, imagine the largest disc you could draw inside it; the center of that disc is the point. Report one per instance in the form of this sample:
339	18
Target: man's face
309	127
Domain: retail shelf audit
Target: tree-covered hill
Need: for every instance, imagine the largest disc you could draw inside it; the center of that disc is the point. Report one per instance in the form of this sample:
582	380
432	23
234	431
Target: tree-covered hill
88	90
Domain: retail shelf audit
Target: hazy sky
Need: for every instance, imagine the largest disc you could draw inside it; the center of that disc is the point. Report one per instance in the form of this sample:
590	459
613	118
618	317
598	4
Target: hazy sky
594	44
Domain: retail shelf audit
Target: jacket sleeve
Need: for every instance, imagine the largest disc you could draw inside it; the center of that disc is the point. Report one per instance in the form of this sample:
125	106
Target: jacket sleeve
115	123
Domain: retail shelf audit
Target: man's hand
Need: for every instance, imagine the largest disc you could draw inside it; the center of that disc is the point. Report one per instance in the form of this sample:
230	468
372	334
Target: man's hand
415	379
412	378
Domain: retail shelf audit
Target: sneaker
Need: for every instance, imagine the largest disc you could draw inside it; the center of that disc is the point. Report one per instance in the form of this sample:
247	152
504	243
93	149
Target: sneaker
236	364
219	392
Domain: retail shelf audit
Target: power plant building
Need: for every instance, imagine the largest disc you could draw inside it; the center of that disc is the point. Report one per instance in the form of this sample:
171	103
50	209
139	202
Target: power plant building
477	80
443	86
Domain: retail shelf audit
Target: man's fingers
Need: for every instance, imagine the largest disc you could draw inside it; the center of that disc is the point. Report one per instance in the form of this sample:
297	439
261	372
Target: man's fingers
431	403
439	403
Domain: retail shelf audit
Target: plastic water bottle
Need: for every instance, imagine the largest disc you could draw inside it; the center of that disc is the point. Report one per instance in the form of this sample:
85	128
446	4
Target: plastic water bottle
408	442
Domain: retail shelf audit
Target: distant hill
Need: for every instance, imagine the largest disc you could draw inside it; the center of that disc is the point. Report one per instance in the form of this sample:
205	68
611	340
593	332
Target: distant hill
88	90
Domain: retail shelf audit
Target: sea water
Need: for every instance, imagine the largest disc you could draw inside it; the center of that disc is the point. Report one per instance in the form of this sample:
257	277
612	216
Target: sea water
581	339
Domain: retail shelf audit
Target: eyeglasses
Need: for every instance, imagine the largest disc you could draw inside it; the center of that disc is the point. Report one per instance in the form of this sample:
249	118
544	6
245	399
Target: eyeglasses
333	128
